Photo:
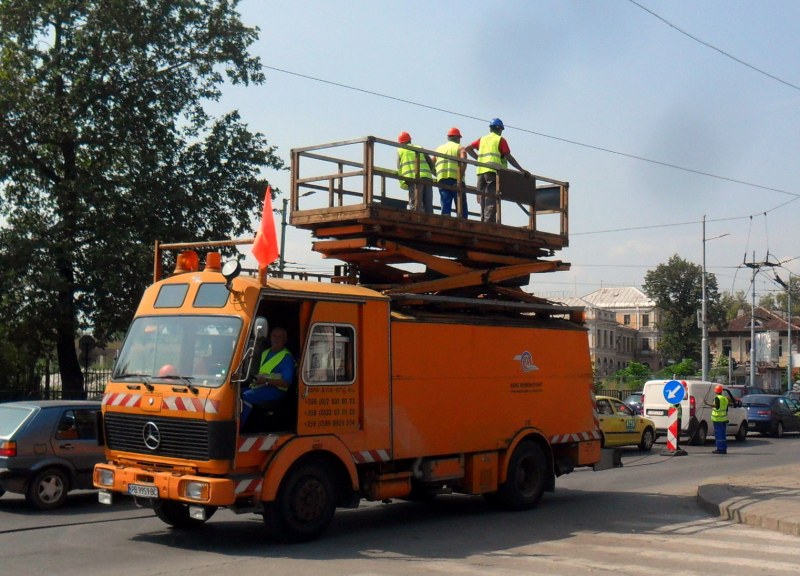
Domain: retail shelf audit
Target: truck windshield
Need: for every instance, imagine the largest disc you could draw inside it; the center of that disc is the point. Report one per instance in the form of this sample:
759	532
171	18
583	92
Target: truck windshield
192	350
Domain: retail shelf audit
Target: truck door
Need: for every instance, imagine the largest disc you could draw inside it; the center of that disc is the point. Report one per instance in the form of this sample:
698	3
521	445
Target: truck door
328	375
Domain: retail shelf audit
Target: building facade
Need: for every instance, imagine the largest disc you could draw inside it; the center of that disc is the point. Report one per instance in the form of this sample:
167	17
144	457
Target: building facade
772	330
622	324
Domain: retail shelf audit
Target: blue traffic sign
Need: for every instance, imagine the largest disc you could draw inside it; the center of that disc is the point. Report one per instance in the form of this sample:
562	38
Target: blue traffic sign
674	392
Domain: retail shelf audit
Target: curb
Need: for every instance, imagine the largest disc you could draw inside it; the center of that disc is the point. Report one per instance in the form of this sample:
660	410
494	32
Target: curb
770	507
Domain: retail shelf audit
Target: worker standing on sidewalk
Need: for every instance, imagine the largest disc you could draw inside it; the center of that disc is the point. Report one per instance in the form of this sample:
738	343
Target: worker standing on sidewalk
719	417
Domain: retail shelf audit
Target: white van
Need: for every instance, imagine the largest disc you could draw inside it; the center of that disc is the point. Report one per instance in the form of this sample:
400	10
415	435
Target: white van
696	414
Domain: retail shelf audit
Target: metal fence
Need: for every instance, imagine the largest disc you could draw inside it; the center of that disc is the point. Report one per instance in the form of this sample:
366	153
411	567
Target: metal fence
47	386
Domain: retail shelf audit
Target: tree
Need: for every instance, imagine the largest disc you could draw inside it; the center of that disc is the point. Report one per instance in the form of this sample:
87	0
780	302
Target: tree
732	303
676	288
683	369
633	376
105	147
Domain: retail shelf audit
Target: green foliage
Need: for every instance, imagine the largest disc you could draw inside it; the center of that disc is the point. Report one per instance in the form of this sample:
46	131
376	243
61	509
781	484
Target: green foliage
105	147
686	368
732	304
633	376
676	288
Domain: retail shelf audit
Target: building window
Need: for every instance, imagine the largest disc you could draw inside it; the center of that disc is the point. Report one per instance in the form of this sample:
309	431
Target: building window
645	344
645	319
626	319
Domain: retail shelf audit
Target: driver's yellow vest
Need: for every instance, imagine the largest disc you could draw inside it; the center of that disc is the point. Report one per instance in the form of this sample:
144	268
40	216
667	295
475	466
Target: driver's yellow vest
489	151
268	365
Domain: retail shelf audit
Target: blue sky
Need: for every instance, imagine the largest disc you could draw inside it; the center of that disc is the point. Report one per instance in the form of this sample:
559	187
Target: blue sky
568	78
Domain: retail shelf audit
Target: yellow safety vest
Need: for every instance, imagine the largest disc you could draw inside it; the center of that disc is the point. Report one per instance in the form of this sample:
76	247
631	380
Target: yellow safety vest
489	151
446	168
720	414
407	164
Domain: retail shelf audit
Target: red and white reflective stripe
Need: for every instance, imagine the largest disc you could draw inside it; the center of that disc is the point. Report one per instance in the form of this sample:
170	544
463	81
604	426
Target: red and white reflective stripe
184	404
257	443
576	437
365	456
249	485
119	399
672	429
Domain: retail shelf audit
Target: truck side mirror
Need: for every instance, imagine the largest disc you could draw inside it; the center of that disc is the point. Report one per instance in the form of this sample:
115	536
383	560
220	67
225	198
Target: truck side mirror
260	328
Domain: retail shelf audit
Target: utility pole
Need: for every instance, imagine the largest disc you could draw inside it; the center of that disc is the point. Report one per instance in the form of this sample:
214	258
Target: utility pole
703	311
788	328
755	266
282	261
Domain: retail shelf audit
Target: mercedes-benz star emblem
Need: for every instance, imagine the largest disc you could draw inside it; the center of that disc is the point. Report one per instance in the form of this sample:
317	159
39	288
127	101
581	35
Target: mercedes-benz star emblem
151	435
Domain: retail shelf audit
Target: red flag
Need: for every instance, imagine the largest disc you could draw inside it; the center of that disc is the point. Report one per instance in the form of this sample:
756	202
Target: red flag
265	246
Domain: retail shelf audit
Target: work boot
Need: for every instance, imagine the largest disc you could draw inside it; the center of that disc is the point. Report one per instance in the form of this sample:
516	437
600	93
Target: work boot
719	452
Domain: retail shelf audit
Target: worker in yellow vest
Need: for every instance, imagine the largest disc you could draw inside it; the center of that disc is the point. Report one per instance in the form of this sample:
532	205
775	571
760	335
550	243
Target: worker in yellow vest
418	168
451	175
275	374
719	418
494	150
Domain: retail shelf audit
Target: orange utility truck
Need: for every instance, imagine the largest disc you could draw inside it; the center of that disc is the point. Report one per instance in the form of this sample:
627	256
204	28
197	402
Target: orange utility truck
422	367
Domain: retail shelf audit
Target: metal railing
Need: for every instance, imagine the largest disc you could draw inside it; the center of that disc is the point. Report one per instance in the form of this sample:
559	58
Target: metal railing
362	172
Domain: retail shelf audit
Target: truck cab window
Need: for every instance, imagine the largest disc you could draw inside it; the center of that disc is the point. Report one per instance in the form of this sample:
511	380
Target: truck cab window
330	358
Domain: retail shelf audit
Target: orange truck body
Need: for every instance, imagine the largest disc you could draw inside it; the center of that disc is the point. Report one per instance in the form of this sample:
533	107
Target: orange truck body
413	403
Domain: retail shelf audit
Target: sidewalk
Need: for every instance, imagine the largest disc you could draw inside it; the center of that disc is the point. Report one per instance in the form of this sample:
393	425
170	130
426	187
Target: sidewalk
769	498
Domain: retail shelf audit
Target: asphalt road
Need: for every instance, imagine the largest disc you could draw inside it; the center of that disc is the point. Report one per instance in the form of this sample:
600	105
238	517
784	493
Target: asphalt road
642	519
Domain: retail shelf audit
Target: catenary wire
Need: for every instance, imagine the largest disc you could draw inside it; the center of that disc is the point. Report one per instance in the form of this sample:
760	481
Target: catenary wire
707	45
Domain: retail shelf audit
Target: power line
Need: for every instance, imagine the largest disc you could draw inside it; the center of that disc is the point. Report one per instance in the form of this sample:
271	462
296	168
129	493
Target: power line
535	133
707	45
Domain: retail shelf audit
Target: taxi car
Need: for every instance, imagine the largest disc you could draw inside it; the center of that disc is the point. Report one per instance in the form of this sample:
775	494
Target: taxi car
621	426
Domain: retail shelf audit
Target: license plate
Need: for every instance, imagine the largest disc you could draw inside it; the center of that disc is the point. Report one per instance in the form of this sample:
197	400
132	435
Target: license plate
143	491
656	412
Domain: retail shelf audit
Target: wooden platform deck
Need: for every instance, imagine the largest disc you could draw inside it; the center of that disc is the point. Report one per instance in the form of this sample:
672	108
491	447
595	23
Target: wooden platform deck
352	203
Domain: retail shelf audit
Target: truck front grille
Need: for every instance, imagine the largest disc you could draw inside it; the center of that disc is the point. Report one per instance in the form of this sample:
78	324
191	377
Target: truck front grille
177	437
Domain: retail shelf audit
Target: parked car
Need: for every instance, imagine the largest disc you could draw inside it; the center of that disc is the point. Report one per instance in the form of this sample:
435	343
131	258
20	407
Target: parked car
621	426
739	391
634	400
48	448
771	414
793	394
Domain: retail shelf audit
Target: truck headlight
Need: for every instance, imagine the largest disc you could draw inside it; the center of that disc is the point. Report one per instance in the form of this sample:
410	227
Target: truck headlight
105	477
196	490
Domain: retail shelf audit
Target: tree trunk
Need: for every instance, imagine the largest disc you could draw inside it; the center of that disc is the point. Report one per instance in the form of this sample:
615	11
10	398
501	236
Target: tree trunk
68	365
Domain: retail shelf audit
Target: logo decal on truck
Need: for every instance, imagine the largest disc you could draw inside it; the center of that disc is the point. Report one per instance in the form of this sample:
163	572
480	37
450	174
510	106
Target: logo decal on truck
526	362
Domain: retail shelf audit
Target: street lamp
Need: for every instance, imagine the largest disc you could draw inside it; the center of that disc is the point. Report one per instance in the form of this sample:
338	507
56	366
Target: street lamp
703	317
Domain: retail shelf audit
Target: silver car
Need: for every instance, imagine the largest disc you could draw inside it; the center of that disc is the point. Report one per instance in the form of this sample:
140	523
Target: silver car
47	448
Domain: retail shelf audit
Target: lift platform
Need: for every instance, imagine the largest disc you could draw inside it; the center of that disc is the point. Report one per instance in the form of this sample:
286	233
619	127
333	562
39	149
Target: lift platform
348	195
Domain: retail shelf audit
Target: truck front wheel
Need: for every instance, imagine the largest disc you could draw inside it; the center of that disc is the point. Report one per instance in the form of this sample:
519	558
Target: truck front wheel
526	479
176	514
304	506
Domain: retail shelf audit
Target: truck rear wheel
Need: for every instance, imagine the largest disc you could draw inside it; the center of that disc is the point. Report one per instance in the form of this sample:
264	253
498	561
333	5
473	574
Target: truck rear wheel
176	514
526	479
304	506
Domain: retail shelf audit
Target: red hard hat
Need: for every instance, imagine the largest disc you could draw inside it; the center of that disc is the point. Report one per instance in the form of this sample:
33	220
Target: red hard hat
404	137
454	132
718	389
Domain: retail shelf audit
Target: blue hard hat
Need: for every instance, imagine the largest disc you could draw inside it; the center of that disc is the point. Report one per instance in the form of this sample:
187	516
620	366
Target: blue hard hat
496	123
